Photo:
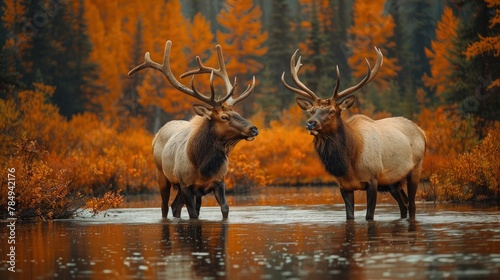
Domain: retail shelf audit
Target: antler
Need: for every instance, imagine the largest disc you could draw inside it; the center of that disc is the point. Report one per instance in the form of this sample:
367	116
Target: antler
372	72
221	72
337	97
294	69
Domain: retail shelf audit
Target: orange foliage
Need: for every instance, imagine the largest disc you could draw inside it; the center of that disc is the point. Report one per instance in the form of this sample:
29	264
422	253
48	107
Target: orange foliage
244	39
39	191
114	32
474	175
447	134
109	200
488	44
285	152
372	27
438	55
68	158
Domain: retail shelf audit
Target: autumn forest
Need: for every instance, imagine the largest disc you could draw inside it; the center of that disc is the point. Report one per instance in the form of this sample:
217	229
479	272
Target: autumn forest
78	130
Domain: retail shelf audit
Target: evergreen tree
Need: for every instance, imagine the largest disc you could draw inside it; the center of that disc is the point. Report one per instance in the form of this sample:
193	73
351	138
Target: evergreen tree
274	99
470	91
75	75
49	44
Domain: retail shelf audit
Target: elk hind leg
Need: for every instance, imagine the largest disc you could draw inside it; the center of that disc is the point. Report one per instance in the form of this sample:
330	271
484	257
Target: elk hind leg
198	204
164	186
371	199
397	191
177	203
189	199
413	180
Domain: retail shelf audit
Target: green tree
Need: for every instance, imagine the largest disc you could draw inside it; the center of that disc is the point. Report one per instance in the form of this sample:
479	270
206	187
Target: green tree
279	46
472	77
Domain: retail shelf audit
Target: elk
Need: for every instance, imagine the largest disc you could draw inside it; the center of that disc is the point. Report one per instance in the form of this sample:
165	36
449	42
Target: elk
361	153
192	156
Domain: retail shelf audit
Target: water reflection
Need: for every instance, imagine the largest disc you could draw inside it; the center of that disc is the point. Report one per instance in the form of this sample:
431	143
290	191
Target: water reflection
195	249
262	242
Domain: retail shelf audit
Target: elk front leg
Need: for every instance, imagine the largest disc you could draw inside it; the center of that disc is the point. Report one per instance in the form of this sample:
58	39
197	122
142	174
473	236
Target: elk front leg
189	199
348	197
371	199
220	195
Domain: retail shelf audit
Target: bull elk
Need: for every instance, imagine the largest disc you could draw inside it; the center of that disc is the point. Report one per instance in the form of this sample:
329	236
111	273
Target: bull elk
192	156
361	153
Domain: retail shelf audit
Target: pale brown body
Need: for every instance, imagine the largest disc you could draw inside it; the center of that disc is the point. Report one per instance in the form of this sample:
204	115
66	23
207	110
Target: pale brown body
192	156
363	154
185	157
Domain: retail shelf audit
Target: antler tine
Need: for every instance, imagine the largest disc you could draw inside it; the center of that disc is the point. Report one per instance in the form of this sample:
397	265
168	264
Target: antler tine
221	73
167	72
337	84
231	101
372	72
201	96
294	69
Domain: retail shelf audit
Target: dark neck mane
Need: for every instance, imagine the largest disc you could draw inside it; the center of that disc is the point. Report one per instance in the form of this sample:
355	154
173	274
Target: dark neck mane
207	151
335	149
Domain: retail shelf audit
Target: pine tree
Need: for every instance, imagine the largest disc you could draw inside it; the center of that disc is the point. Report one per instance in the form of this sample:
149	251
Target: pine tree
75	75
279	46
471	77
488	45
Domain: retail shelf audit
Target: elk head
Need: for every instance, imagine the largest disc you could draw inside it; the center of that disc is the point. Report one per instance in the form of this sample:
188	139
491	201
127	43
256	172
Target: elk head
219	112
325	113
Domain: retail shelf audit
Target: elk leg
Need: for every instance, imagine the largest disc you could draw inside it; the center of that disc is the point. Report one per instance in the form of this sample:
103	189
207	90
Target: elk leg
177	204
348	197
371	199
413	180
220	195
164	186
198	204
189	199
397	191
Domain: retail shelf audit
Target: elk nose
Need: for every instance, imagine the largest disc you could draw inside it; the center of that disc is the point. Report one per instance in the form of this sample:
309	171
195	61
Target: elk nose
311	124
254	130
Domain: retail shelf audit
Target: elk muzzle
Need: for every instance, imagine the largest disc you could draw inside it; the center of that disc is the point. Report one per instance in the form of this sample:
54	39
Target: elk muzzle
254	131
313	126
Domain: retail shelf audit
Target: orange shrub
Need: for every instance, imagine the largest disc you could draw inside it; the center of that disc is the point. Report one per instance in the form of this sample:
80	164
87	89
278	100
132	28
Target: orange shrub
474	175
109	200
39	191
84	156
284	152
447	135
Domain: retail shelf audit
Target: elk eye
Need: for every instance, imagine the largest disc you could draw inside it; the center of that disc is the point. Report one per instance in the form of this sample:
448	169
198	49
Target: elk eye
225	117
332	112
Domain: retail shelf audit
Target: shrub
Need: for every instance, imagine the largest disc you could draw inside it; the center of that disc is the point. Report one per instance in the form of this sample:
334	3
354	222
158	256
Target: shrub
39	191
474	175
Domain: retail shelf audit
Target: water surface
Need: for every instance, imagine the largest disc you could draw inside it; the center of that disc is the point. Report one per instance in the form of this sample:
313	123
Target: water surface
297	239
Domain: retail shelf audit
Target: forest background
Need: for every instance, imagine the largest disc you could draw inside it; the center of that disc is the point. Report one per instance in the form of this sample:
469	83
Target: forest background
76	129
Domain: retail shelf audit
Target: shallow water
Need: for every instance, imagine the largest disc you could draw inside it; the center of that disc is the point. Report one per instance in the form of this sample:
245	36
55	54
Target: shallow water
288	241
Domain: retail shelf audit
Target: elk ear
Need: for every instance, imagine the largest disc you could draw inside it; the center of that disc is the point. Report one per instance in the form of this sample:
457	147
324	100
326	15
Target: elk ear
346	103
202	111
304	104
